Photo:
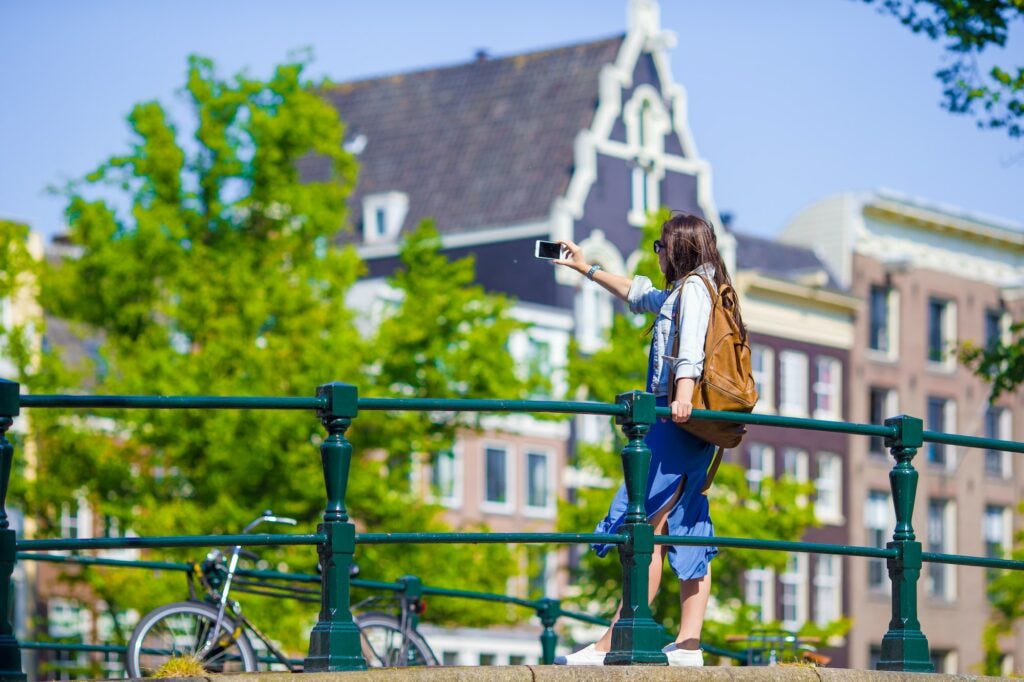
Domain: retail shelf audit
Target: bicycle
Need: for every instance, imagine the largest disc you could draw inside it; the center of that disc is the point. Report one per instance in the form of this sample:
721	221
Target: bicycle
213	630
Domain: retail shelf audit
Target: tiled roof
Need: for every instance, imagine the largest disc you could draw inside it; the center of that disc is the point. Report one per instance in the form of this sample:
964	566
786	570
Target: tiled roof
783	261
488	143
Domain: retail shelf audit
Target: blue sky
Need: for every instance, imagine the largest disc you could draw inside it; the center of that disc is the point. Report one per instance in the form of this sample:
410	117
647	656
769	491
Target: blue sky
790	101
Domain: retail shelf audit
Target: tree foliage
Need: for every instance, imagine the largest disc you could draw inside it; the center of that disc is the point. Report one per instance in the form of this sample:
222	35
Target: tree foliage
19	272
207	266
968	28
777	510
1000	363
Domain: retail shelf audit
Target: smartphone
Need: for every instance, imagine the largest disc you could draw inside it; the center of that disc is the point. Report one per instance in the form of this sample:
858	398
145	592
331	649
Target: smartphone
549	250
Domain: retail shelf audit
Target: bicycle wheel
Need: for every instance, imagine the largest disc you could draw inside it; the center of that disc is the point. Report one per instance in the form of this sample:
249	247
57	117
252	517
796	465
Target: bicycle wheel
180	630
381	637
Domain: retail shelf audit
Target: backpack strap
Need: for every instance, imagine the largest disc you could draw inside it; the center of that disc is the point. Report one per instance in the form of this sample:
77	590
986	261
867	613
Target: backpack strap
716	459
677	319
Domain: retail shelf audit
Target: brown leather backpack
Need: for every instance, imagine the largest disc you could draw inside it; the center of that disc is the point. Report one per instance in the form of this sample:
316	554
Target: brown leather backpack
727	383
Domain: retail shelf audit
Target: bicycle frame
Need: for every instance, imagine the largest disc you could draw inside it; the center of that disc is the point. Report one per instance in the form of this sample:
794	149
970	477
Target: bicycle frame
222	598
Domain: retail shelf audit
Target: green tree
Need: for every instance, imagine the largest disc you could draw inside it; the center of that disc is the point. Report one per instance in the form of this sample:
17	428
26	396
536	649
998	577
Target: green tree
207	266
776	511
1000	363
19	271
968	28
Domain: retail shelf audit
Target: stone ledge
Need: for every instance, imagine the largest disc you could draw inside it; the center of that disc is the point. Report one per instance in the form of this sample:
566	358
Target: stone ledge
550	673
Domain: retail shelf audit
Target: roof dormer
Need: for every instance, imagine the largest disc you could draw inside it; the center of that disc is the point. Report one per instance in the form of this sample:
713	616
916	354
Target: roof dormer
383	216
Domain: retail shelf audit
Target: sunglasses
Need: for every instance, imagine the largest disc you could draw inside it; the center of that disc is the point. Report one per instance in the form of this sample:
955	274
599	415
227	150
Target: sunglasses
658	245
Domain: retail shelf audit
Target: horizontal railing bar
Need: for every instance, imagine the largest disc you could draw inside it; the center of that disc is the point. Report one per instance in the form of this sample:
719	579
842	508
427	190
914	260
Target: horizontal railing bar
279	575
780	545
496	538
99	561
173	402
584	617
972	441
489	405
173	541
790	422
984	562
68	646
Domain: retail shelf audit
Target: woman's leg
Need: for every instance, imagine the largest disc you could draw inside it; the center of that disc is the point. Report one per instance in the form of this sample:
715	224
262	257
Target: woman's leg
693	602
660	523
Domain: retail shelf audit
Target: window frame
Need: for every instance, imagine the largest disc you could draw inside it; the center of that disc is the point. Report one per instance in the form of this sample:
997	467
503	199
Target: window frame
786	359
765	578
509	505
879	533
940	456
941	358
455	500
891	300
831	511
890	408
764	378
546	511
941	510
1003	426
797	580
828	589
834	389
766	470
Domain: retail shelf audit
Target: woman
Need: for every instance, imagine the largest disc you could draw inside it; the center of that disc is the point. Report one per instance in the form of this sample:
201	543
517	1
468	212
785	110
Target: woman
679	460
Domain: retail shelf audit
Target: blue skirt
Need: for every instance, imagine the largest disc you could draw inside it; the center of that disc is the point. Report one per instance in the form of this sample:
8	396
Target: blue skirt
677	458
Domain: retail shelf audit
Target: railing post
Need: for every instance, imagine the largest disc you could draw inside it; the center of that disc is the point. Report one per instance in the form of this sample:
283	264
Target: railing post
334	643
10	653
548	610
904	646
636	637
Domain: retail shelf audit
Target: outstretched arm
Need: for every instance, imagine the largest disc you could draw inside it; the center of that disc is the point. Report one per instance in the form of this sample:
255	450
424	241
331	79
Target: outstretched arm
616	284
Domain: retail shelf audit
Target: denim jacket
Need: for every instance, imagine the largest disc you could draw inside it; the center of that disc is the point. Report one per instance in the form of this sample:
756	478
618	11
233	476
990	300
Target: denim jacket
695	311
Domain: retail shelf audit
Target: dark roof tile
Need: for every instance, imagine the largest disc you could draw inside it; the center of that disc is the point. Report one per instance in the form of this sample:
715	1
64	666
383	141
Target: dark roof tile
488	143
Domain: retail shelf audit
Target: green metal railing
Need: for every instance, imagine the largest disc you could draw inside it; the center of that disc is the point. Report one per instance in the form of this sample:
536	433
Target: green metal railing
636	637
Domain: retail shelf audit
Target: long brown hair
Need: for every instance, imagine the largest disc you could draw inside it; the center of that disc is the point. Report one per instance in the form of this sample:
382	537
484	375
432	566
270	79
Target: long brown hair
689	243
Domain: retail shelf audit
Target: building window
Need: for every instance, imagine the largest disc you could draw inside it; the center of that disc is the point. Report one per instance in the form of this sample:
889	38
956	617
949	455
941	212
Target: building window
828	388
762	466
594	312
941	331
640	190
488	659
828	605
446	478
762	362
879	521
881	406
997	425
75	519
997	533
828	505
795	467
793	383
497	496
759	591
941	582
539	486
880	332
383	216
793	606
941	418
994	327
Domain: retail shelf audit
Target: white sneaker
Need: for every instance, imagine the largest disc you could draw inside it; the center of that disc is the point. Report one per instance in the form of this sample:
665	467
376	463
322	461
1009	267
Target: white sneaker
588	655
691	658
